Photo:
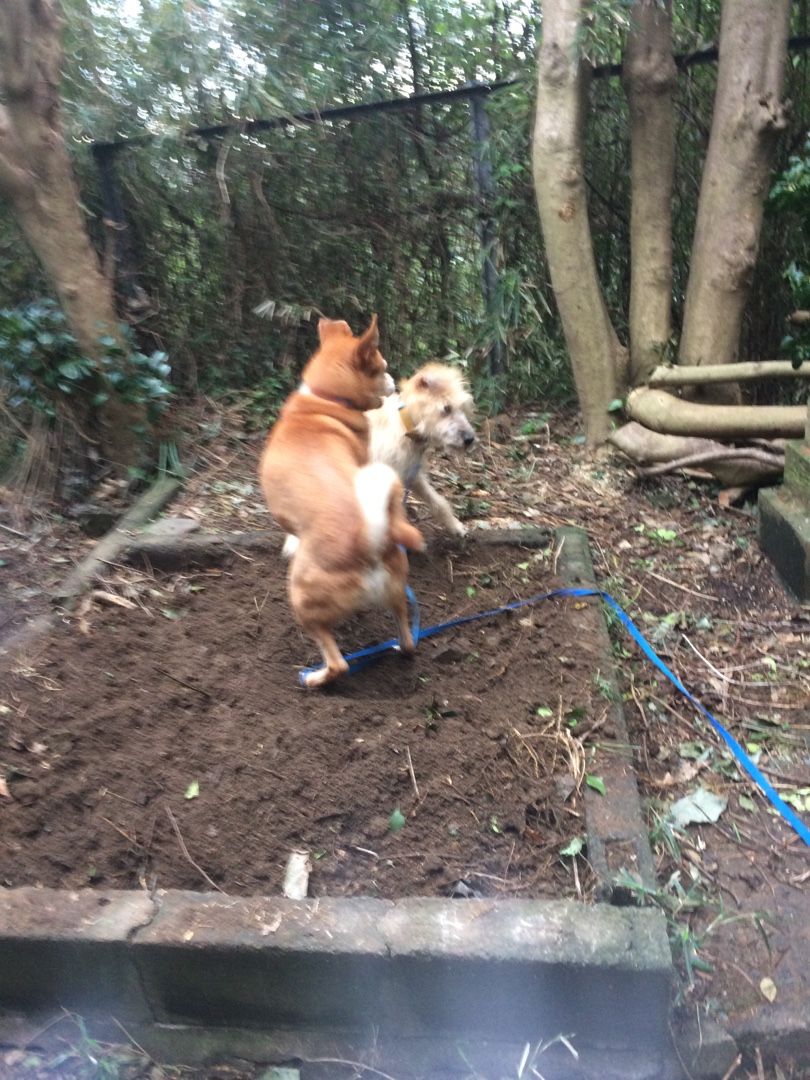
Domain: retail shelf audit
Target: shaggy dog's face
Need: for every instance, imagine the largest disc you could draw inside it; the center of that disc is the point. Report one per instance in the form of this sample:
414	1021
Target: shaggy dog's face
440	406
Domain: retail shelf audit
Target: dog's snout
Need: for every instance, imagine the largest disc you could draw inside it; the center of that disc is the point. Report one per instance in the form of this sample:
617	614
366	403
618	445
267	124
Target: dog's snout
469	438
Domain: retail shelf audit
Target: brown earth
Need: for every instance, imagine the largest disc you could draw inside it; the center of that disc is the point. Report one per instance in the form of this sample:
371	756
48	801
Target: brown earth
112	717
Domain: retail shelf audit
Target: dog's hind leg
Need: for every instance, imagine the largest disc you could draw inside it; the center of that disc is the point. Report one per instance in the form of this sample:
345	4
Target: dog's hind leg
334	664
399	606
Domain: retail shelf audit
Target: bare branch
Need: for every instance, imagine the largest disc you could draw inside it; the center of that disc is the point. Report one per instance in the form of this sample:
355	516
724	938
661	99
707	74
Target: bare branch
746	371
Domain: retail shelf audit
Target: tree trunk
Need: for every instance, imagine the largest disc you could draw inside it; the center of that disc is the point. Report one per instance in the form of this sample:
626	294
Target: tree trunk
36	177
596	355
748	113
649	76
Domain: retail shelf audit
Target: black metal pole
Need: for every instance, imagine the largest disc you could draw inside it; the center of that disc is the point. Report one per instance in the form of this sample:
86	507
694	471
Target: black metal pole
485	190
115	222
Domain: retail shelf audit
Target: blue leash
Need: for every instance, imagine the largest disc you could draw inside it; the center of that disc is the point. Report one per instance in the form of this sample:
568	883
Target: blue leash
363	657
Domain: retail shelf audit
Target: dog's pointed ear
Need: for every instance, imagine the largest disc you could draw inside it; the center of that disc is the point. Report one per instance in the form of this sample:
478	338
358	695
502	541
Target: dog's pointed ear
368	344
329	327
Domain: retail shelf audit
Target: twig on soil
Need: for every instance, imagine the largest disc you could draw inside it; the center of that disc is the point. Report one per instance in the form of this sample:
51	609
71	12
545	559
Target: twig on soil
760	1069
733	1067
764	704
118	829
413	774
557	554
683	588
136	1044
14	532
715	671
365	851
349	1065
64	1015
184	849
745	975
181	682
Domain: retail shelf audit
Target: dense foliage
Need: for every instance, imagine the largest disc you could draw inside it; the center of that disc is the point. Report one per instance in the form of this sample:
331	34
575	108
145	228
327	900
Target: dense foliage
374	213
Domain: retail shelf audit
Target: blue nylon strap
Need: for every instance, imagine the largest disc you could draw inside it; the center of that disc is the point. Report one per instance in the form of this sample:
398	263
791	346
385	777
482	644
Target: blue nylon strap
363	657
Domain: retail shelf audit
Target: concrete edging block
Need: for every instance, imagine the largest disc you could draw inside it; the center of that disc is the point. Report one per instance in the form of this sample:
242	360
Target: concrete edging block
428	968
617	834
784	533
72	948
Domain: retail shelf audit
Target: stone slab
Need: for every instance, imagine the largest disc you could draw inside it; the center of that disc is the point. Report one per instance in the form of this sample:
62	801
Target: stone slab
784	532
797	469
71	948
617	835
418	969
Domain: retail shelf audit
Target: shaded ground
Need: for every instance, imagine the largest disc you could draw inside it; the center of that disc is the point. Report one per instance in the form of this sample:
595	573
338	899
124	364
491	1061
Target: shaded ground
684	561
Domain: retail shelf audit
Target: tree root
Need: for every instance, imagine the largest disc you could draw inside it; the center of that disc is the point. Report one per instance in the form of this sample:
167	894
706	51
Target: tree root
658	453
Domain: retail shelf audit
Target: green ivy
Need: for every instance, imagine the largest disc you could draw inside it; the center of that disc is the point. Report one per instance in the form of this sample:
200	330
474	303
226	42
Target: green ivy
791	192
42	364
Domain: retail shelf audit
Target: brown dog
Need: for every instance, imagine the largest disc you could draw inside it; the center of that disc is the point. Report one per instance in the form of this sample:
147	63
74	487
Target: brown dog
346	515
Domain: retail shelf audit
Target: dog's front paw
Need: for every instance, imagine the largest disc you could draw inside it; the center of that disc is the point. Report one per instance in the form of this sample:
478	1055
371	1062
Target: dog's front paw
457	528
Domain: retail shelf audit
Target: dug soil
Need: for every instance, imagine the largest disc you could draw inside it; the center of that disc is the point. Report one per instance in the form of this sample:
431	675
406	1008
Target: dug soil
166	742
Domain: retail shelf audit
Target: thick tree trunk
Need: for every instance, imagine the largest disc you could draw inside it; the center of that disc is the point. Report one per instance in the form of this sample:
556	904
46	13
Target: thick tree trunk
596	355
36	177
748	113
649	76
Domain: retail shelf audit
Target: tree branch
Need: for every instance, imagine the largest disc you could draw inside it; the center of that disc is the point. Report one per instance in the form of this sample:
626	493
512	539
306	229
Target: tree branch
661	411
688	375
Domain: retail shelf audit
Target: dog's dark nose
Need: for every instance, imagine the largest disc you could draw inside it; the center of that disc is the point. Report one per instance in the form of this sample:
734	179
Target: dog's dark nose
469	439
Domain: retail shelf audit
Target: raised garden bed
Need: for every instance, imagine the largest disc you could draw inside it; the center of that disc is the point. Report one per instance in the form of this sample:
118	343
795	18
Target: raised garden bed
480	741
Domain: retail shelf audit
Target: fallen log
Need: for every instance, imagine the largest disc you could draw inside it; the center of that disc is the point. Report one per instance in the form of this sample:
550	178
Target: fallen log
663	412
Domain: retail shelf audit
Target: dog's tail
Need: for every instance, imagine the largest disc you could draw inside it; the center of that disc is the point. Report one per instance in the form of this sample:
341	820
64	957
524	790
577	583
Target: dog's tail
379	492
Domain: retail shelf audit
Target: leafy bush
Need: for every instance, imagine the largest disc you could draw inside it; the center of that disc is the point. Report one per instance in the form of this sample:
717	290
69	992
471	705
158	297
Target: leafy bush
791	193
42	364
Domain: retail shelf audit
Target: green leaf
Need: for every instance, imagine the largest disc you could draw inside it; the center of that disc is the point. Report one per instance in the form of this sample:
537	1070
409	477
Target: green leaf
664	535
396	821
544	710
595	782
616	405
193	790
471	591
573	847
495	825
747	803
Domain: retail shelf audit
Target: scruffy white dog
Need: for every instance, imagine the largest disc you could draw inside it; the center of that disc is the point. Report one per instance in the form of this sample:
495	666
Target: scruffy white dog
432	410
